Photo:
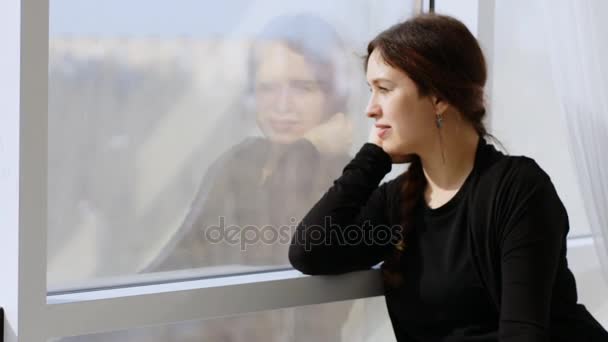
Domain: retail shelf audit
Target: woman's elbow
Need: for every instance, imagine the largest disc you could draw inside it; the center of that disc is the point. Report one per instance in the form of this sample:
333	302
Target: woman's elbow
302	260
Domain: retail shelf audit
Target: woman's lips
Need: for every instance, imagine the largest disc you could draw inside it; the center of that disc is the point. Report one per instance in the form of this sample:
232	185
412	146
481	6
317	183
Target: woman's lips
283	125
383	131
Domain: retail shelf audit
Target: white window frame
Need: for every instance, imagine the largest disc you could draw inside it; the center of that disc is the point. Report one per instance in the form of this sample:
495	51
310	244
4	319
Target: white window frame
32	314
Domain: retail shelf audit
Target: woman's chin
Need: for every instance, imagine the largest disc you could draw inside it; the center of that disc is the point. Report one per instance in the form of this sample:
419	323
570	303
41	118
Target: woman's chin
388	147
395	150
283	139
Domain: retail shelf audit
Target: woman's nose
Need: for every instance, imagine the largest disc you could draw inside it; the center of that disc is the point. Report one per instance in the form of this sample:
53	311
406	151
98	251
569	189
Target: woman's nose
372	110
283	99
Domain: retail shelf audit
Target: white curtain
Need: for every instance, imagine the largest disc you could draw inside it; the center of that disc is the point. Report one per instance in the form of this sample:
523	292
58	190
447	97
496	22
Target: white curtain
576	35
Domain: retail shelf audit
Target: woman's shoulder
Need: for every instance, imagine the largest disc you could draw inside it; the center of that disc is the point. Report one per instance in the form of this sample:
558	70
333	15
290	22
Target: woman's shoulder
515	189
249	147
515	170
247	152
510	181
237	162
493	166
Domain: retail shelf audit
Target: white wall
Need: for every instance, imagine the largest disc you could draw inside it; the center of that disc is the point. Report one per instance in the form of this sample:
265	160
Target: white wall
464	10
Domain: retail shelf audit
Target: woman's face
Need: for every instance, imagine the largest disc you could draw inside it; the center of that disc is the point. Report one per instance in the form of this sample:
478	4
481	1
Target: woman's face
408	118
289	98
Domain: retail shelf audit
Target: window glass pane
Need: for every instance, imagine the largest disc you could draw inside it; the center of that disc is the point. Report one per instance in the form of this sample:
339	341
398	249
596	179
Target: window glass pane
168	120
353	321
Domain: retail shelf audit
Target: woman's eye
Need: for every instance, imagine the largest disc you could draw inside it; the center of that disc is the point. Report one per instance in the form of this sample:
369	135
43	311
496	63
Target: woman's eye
380	89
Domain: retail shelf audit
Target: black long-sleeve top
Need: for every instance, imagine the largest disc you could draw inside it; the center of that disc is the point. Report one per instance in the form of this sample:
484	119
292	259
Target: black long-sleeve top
489	265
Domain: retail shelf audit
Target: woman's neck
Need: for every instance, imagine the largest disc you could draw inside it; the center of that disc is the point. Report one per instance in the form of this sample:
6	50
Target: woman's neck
448	161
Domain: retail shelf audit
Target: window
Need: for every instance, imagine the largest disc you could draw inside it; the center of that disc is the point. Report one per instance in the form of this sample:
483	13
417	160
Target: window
172	130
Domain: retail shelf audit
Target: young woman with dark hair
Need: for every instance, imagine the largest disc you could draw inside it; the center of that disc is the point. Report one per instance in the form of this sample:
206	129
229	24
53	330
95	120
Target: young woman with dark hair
473	241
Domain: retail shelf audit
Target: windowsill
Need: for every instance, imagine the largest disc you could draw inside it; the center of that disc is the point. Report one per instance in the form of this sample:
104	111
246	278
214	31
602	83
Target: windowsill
156	278
179	284
70	313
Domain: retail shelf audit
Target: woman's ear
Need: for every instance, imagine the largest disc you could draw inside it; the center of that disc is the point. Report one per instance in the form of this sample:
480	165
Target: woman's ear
440	105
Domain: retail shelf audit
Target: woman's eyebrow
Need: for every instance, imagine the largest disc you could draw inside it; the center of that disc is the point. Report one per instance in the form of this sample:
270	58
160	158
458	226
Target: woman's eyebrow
379	80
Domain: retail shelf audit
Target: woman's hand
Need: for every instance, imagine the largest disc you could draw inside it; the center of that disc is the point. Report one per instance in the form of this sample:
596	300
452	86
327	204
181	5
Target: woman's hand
334	136
373	136
375	139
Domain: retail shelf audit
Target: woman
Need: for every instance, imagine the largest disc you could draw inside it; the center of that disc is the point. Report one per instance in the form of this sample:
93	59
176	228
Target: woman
473	241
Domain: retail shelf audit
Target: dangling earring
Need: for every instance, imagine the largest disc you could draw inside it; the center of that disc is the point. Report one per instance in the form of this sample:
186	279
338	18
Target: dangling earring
439	122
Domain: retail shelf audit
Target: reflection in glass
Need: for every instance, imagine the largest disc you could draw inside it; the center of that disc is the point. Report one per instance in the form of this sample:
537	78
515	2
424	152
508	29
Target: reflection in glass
160	130
254	194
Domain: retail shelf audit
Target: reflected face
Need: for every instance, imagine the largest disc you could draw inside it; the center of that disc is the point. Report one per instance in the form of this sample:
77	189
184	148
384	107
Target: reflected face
407	120
289	98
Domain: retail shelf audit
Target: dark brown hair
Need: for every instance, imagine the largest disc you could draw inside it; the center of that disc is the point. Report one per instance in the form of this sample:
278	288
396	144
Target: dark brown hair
444	59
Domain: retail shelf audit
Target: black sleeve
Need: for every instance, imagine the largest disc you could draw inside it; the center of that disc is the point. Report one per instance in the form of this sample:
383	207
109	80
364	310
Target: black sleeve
347	229
532	240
